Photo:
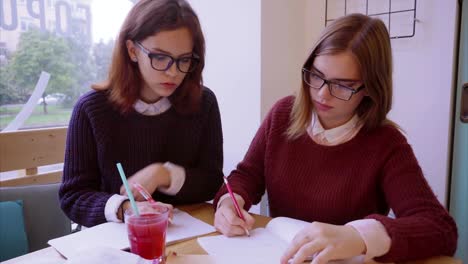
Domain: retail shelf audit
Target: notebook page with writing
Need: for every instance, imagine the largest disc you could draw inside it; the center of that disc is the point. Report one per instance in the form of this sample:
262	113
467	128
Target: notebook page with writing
114	235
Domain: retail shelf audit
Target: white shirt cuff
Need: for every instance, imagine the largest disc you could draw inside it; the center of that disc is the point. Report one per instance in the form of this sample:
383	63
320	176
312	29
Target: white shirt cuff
239	199
112	205
375	237
177	174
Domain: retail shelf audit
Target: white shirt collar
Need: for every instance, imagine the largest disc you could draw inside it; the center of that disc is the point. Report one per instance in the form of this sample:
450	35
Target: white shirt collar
157	108
335	135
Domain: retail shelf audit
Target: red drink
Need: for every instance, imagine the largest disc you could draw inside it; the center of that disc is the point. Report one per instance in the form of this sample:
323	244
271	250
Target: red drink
147	234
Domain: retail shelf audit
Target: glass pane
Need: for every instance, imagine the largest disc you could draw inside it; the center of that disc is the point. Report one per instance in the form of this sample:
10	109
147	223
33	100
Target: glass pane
72	40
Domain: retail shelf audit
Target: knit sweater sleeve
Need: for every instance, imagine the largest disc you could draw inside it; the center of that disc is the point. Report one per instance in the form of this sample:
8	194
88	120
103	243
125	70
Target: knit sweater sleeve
204	179
248	179
79	193
422	227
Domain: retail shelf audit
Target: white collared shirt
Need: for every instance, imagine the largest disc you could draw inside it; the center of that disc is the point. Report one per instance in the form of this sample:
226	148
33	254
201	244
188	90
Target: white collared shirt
176	172
334	136
157	108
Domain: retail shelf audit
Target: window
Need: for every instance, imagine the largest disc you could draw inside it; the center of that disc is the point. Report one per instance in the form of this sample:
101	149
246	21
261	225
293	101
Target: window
72	40
3	54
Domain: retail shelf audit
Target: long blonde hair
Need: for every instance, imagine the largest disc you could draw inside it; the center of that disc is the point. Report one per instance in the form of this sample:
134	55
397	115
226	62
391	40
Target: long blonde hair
368	40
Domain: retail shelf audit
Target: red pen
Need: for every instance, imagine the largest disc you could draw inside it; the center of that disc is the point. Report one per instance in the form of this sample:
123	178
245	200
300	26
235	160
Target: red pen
234	200
146	195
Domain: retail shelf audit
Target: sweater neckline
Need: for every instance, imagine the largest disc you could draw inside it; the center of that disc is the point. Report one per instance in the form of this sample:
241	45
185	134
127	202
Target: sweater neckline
138	115
351	142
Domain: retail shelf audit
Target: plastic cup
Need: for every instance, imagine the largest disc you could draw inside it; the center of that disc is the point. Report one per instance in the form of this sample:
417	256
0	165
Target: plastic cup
147	233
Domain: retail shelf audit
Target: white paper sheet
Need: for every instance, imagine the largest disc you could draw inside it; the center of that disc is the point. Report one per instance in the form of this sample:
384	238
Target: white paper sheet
114	235
100	255
264	246
261	247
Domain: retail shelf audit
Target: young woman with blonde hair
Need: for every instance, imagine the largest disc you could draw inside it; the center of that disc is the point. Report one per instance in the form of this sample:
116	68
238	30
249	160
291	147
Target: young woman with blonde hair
152	115
330	156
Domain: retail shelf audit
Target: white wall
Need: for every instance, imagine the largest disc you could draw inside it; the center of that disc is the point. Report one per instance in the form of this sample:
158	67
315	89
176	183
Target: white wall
283	49
232	71
423	82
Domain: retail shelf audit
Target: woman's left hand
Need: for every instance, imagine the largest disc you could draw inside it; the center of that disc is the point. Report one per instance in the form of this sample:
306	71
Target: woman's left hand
325	242
150	177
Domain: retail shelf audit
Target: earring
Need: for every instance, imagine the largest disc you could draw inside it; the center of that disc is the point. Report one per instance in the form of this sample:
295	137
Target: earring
134	59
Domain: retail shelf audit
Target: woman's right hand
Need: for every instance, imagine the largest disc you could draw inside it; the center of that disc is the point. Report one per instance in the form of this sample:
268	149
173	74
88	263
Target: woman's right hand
228	222
150	177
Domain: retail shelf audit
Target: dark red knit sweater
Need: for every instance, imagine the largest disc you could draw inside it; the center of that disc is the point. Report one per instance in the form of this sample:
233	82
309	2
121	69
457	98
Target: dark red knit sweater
362	178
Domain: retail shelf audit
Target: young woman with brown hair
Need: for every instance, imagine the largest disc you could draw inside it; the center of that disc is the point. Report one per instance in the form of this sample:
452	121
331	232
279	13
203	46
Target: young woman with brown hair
153	115
330	156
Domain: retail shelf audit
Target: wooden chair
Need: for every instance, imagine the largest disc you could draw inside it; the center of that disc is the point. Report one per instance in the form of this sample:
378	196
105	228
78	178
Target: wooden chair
21	155
26	150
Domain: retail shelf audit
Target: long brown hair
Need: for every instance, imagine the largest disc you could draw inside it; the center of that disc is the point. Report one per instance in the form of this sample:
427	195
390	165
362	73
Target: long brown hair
368	40
145	19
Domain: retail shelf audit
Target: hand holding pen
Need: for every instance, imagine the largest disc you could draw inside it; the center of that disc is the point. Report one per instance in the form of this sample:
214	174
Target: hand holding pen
150	199
230	219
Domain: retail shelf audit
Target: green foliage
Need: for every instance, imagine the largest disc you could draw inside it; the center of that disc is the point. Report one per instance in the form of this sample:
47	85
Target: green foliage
7	95
80	46
73	62
41	51
103	55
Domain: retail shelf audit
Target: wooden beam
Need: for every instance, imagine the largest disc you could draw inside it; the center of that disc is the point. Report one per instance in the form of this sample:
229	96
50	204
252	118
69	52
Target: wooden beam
44	178
32	148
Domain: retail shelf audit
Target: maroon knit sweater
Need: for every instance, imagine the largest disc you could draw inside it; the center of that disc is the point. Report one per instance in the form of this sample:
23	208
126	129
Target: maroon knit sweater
362	178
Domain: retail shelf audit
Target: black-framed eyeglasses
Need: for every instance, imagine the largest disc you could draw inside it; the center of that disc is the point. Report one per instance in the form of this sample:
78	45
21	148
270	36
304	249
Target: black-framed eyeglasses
337	90
162	62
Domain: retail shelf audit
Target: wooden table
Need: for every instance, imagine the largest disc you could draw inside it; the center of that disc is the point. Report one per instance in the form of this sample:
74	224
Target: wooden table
203	212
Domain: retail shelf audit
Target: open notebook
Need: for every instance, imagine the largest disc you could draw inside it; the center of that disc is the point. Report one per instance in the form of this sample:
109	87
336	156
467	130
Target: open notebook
114	235
265	245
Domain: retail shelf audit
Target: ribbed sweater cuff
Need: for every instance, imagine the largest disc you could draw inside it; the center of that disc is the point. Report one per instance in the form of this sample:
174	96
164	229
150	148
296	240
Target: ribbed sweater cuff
239	199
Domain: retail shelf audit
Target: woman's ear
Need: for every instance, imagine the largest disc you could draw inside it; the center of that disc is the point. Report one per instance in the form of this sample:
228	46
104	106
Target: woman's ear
131	50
